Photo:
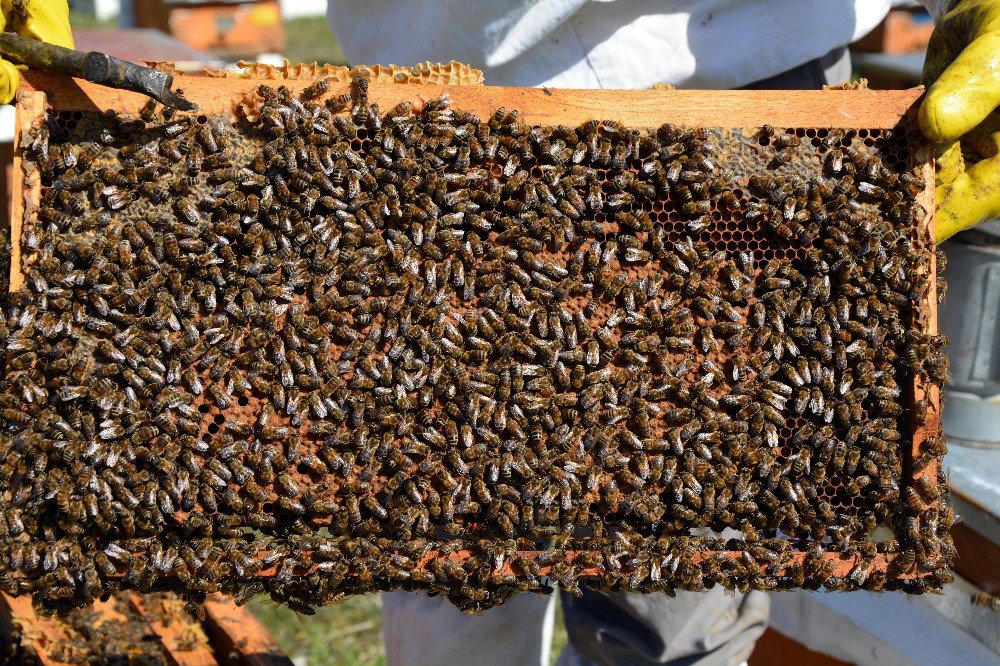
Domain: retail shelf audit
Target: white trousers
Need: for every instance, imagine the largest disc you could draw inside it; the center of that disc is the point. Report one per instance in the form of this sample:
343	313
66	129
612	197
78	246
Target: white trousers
423	631
692	629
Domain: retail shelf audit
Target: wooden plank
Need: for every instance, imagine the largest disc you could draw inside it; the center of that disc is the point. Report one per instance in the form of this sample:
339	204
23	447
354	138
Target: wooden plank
172	636
17	615
25	186
776	649
870	109
235	631
978	558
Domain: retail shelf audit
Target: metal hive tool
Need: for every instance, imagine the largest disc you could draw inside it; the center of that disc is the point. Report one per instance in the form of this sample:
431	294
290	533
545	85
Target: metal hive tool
592	343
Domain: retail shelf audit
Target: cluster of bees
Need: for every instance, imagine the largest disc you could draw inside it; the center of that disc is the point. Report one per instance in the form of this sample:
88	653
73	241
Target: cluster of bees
337	348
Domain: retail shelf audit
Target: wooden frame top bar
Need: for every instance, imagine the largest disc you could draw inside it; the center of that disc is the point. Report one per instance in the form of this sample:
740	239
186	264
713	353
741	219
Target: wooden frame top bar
871	109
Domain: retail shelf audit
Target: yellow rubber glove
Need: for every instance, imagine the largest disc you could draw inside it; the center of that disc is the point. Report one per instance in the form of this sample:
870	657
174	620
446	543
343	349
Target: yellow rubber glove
44	20
963	72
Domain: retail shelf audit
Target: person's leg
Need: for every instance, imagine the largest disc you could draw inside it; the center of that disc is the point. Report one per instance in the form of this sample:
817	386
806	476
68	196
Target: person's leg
694	628
428	631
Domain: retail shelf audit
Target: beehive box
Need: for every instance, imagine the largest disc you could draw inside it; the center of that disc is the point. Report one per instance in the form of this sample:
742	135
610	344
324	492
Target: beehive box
128	628
367	337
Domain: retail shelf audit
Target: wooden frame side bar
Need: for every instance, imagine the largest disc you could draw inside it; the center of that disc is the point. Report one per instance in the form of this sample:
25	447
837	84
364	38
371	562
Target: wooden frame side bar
923	389
25	186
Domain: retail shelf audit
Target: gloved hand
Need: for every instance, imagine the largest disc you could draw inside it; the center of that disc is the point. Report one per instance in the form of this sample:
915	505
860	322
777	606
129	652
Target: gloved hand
44	20
963	72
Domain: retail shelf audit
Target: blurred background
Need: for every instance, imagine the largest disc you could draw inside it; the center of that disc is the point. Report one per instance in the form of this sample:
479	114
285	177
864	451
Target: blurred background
226	31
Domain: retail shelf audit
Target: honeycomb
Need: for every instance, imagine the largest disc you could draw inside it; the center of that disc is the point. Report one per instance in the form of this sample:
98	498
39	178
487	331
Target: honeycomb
434	73
430	73
327	348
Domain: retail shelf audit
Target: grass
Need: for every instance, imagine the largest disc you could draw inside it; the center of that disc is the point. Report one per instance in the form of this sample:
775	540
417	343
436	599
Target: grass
559	638
346	634
84	20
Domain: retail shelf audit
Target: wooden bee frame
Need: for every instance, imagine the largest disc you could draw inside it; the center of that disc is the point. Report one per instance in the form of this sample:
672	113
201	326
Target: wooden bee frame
834	109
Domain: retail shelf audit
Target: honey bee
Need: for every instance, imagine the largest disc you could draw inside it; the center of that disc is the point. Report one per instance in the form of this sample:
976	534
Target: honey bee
316	89
986	601
786	140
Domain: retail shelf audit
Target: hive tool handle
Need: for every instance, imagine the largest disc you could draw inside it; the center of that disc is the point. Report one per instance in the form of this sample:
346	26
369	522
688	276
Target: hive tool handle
94	66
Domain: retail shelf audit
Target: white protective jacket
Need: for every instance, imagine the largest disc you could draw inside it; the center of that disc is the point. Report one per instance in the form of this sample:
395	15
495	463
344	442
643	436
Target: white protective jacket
606	44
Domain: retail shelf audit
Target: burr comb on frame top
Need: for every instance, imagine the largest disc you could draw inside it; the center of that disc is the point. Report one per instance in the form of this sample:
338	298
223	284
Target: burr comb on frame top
450	347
